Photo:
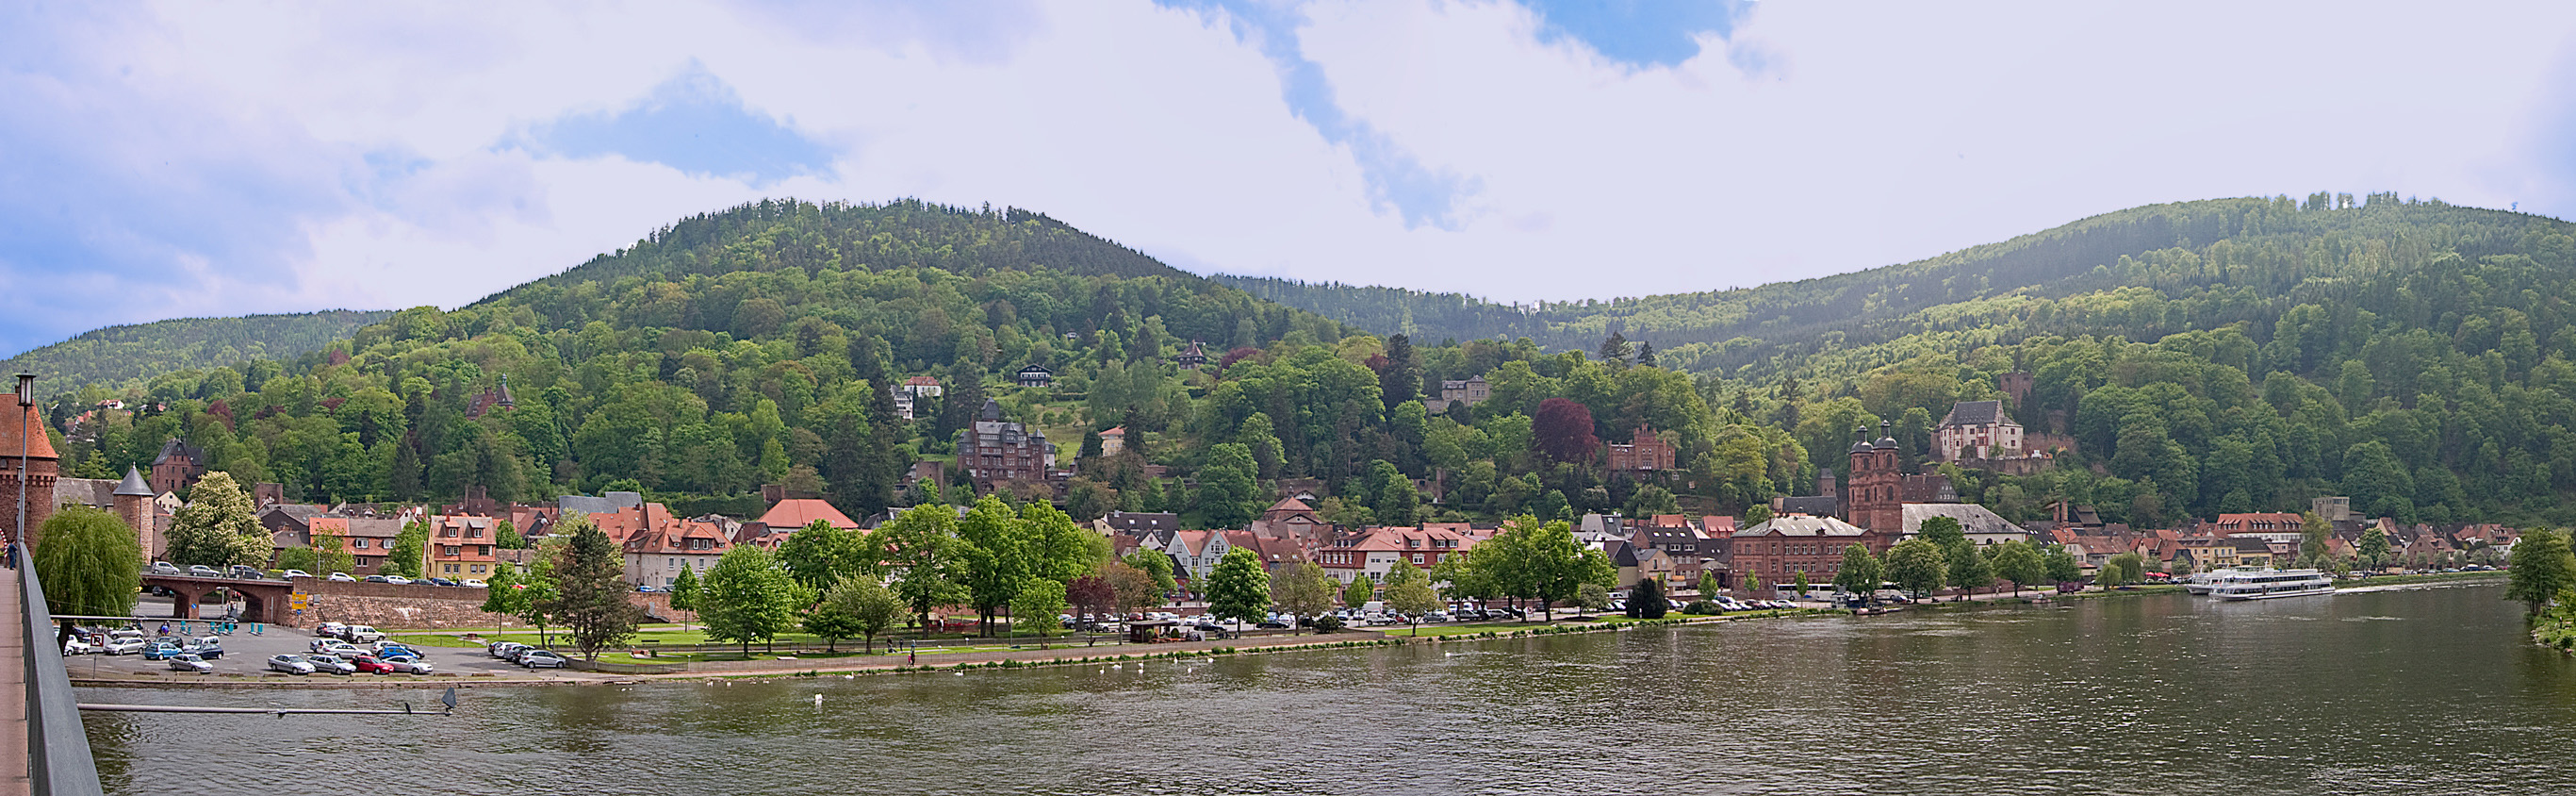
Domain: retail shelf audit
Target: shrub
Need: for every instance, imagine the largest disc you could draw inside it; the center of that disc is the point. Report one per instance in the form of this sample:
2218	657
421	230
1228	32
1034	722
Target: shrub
1701	608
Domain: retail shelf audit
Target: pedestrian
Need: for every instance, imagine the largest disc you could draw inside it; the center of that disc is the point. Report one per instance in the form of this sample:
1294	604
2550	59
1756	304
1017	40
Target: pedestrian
912	655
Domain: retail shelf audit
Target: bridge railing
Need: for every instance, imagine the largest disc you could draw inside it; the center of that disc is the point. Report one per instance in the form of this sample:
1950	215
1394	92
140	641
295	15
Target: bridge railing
58	758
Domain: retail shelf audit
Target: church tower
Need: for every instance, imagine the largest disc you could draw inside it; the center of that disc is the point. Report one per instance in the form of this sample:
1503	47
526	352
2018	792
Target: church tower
1877	481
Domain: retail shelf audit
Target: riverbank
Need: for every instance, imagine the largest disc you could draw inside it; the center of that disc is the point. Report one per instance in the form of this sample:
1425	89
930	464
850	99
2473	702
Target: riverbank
1026	657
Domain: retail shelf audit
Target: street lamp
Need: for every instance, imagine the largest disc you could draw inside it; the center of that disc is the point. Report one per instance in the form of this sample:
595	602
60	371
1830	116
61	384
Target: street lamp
26	398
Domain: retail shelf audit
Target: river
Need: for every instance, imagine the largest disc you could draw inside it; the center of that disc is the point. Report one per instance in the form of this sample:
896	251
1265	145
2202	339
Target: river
2428	690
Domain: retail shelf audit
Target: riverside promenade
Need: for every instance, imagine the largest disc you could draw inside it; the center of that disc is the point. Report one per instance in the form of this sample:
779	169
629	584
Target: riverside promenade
14	768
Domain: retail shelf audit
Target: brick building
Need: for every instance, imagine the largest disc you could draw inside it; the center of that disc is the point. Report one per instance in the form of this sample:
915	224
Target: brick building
1875	492
1645	453
1778	549
38	479
992	451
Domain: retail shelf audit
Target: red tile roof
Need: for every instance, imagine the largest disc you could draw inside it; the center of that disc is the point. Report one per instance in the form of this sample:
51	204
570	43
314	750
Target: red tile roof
800	512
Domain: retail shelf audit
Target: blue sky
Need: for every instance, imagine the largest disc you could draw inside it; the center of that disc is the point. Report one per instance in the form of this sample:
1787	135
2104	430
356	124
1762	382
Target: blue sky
175	159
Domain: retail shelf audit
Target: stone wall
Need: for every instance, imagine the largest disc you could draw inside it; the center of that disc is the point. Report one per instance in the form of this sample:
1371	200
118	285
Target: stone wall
388	605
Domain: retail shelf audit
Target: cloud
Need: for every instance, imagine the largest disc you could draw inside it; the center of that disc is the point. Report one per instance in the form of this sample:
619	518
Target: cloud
694	123
178	159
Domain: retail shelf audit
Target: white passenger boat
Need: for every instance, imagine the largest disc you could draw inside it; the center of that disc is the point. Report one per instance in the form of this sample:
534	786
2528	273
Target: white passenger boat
2200	582
2269	583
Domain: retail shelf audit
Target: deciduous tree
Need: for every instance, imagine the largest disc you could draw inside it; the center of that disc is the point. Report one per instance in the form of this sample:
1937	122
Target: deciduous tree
1238	589
217	527
89	562
2543	571
1918	566
1860	572
749	597
1304	589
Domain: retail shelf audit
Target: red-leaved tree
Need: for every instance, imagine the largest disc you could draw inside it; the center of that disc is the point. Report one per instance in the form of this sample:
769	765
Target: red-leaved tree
1563	430
1091	594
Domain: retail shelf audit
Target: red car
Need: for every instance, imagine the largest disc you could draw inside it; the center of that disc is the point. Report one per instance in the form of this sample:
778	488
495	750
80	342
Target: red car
367	664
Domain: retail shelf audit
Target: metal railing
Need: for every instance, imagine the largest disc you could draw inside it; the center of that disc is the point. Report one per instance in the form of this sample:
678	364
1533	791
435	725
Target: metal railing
58	757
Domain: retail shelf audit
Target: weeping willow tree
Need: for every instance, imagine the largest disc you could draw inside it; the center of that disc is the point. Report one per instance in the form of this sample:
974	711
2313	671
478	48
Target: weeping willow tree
90	563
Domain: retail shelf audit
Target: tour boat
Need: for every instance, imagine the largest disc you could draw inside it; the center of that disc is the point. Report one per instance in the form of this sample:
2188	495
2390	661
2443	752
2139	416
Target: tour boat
2200	582
2270	583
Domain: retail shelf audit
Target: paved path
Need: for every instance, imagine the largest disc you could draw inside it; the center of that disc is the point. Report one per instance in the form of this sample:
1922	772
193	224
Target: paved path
13	689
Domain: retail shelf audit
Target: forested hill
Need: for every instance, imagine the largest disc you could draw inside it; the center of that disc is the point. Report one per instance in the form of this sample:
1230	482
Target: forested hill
2237	259
754	345
118	355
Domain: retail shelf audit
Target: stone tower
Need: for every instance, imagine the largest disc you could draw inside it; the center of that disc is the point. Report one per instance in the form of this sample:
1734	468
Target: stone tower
42	469
1877	483
134	506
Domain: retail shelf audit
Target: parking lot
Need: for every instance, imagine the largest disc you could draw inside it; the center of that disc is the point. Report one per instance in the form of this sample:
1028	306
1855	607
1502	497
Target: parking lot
247	654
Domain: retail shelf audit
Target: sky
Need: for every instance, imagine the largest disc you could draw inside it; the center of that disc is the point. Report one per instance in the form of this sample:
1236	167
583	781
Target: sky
178	159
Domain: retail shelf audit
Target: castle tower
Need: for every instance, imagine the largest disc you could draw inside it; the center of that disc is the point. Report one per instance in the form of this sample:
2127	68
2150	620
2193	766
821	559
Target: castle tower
134	506
42	468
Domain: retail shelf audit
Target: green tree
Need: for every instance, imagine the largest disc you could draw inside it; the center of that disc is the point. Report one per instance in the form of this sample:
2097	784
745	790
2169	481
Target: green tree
331	554
1360	592
1970	570
922	554
217	528
1228	494
1036	606
1158	567
1591	597
873	608
1238	589
994	545
590	593
1648	600
1918	566
1860	572
2313	531
2060	565
2373	549
684	593
1757	514
831	621
1801	582
1408	592
820	555
503	597
89	562
540	587
507	537
749	597
1304	589
411	550
2016	561
2543	569
2122	570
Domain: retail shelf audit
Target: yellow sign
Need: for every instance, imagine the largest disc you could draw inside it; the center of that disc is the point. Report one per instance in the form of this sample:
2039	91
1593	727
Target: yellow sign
299	600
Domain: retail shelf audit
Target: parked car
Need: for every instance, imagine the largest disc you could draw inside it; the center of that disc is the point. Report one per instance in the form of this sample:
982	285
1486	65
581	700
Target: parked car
124	643
331	664
294	573
245	572
362	634
207	647
473	584
409	665
502	649
203	571
369	664
1273	624
186	662
333	646
644	588
341	577
165	568
329	629
290	664
541	659
397	580
79	646
391	650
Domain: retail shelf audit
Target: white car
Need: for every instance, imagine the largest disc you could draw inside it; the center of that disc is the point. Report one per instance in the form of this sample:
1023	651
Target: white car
79	647
362	634
341	577
334	646
397	579
472	583
290	664
295	573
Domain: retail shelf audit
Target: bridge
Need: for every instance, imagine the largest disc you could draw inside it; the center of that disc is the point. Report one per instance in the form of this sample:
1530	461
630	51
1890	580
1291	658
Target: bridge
44	751
263	601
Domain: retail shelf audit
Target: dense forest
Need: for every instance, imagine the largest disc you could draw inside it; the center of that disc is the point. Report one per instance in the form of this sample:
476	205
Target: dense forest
2193	358
127	355
2225	355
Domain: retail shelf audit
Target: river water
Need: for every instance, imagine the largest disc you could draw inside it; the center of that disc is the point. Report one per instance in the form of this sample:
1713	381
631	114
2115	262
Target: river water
2419	691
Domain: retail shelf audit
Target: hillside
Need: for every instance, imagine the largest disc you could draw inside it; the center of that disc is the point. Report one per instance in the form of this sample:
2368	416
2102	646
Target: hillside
729	350
2186	360
122	355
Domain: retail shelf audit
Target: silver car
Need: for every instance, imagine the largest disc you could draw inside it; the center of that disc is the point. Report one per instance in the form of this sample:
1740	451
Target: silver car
406	663
290	664
188	662
331	664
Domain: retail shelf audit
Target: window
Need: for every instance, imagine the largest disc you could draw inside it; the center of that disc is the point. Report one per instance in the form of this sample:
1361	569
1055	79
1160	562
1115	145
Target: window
358	545
453	550
482	549
451	568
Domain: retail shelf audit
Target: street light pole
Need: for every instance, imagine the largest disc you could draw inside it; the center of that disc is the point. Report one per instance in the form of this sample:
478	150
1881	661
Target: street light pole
26	398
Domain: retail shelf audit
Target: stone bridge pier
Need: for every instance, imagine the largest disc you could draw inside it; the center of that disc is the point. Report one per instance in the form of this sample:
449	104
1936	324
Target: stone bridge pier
263	601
